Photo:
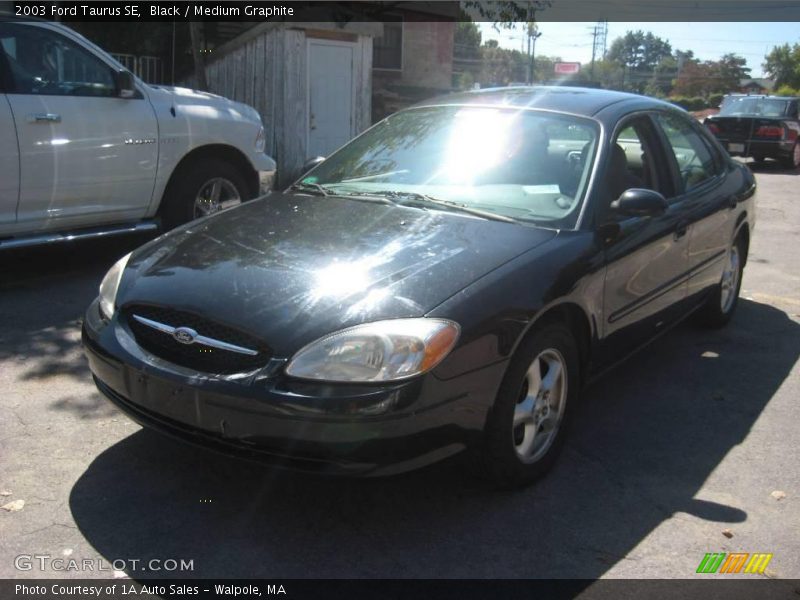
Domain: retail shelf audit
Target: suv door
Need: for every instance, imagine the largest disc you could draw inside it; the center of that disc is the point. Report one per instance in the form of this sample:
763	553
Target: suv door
9	156
87	156
701	189
646	257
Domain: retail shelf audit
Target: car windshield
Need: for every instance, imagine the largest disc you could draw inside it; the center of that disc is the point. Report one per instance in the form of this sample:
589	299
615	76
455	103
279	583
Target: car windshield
765	107
524	165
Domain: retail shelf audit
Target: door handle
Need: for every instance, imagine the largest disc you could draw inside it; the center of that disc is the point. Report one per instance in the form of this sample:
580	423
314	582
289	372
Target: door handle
681	230
44	118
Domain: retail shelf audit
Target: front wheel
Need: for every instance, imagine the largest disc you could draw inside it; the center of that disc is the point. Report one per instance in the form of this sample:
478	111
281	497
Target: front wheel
203	188
722	302
527	425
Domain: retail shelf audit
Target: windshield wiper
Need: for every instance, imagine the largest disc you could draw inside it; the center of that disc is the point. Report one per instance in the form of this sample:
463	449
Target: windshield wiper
423	199
313	188
321	190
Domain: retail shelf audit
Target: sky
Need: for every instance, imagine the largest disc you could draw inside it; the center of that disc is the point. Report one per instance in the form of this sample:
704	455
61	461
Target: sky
709	41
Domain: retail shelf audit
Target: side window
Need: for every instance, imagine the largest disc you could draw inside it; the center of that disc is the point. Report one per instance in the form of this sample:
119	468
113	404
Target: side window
694	157
631	160
43	62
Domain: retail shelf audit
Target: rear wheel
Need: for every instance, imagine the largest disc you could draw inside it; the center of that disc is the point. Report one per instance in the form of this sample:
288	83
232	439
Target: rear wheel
793	160
722	302
202	188
527	425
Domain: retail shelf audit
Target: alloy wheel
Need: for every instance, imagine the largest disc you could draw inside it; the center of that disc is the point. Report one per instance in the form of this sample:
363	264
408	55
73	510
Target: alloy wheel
730	280
215	195
540	408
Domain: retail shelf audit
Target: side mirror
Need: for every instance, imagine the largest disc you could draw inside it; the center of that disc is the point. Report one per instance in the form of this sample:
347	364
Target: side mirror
637	202
310	164
126	86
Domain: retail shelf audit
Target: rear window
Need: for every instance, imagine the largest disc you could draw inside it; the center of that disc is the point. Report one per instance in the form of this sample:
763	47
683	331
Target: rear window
764	107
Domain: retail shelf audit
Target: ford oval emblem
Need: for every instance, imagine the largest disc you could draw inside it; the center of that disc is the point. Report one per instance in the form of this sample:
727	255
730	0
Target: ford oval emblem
184	335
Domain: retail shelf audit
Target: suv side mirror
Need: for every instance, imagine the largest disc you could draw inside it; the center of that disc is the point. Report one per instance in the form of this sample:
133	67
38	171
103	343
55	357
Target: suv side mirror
126	86
638	202
310	164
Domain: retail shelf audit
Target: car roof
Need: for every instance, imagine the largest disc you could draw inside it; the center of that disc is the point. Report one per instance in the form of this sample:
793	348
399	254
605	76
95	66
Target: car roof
566	99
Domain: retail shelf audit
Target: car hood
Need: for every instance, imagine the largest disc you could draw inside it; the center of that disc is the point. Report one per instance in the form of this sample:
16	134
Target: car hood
290	268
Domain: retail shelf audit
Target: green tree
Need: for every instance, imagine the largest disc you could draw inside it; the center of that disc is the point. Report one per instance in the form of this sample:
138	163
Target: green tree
783	65
467	36
466	54
730	70
639	54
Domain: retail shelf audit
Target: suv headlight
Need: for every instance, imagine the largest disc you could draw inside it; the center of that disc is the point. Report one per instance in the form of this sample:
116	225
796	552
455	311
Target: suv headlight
376	352
109	285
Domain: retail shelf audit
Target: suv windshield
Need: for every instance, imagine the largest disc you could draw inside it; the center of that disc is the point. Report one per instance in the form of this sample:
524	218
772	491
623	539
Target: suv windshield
520	164
744	105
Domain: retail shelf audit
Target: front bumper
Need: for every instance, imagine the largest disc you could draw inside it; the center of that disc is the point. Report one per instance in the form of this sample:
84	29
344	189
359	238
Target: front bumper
356	430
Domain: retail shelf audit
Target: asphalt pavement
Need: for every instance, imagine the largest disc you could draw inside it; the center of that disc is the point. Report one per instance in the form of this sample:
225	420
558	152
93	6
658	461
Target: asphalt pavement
690	447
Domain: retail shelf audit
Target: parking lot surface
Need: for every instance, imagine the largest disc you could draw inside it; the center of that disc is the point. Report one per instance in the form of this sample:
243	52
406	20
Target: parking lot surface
690	448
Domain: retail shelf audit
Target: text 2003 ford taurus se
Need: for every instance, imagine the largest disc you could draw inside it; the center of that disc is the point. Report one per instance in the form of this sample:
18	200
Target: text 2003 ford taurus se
446	281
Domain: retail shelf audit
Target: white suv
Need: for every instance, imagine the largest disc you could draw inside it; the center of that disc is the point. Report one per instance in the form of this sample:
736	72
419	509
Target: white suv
87	149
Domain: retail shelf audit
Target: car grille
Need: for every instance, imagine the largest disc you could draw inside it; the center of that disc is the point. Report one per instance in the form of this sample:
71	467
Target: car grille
195	356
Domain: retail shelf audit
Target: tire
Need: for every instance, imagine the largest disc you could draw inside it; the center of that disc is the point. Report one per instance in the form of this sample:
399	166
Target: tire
722	302
793	160
514	456
200	180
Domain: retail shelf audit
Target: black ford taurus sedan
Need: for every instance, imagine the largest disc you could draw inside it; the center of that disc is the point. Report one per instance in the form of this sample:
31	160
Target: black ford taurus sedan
447	281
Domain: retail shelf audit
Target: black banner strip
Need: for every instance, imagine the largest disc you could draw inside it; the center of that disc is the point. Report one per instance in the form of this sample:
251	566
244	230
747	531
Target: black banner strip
710	587
476	10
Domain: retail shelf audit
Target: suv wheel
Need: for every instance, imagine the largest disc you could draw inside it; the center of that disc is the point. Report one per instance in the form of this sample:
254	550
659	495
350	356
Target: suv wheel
203	188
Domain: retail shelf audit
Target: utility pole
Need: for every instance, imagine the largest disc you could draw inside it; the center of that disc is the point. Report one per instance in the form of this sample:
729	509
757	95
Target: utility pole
599	34
533	35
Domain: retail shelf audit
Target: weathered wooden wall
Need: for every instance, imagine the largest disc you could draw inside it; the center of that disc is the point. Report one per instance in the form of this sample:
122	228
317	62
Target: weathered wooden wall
269	71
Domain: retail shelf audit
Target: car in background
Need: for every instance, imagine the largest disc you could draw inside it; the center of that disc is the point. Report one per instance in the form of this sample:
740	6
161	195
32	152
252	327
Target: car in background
447	281
759	127
87	149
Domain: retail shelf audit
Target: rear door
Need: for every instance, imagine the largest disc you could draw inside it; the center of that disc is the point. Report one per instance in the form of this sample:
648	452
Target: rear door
87	156
707	201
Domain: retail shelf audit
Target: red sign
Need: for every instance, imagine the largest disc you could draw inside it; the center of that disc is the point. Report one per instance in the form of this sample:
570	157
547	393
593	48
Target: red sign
567	68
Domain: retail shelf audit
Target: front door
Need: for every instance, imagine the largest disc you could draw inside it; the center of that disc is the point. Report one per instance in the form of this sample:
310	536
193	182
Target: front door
647	258
330	77
86	155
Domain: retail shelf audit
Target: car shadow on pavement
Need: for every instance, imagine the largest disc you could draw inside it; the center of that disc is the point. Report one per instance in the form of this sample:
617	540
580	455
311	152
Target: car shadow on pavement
648	437
44	292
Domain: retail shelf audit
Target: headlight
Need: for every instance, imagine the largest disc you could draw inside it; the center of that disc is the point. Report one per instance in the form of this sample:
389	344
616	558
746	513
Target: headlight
380	351
260	139
109	285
